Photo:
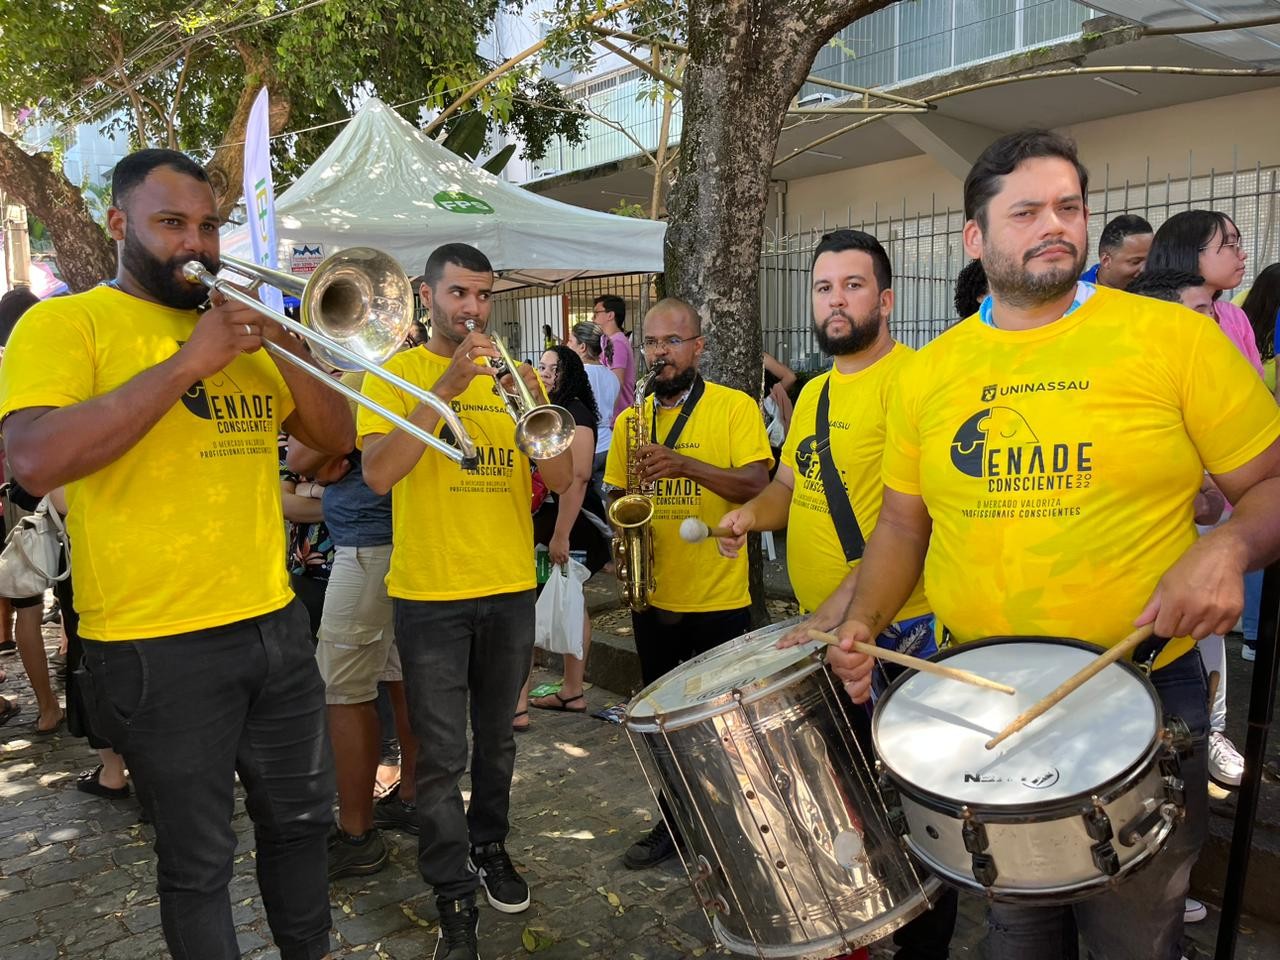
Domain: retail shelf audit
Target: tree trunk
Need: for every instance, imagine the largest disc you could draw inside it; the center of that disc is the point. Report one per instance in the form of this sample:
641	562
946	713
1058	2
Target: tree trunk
86	255
226	168
747	60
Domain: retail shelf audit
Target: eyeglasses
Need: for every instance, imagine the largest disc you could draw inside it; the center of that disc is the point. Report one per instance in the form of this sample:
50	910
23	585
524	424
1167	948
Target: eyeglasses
1236	246
671	343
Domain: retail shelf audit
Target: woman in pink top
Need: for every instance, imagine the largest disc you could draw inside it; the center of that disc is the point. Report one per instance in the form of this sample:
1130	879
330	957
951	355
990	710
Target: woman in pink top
1208	243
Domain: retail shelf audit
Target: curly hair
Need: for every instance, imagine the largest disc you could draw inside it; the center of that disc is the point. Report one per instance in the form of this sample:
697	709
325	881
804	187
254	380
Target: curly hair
971	289
571	379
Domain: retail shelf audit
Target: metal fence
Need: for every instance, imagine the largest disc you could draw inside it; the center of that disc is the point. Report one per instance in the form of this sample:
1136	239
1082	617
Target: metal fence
927	251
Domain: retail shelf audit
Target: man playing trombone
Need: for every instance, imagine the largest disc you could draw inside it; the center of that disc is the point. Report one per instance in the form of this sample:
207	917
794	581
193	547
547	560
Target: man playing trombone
162	425
462	584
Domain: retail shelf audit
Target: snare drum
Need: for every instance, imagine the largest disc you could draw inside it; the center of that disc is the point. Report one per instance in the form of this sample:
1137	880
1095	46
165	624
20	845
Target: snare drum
1062	810
785	837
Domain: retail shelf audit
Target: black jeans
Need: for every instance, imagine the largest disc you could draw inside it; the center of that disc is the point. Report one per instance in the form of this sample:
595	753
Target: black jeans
664	639
188	712
452	652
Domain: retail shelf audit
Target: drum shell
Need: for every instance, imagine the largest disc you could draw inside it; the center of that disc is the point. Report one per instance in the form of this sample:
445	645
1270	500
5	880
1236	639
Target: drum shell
785	833
1042	853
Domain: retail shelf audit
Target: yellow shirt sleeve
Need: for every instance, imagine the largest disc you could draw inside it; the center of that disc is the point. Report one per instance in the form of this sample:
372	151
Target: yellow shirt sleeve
615	464
901	465
378	390
49	361
750	440
1229	427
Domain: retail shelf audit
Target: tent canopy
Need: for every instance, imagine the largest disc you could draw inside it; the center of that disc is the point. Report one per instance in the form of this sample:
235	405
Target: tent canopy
383	184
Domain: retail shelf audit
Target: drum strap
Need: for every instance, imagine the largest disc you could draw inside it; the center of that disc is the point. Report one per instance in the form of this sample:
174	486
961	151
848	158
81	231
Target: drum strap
847	529
691	401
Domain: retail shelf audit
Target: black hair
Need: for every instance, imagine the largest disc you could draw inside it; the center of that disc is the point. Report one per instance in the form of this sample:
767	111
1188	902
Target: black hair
1117	229
1006	155
1164	284
971	288
615	305
460	255
838	241
137	166
1180	239
1263	305
589	334
571	379
12	306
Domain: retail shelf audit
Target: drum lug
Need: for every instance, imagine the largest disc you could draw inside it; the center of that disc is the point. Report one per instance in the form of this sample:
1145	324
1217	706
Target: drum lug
893	807
706	900
1098	825
974	835
1178	737
1140	826
1176	790
984	869
1105	858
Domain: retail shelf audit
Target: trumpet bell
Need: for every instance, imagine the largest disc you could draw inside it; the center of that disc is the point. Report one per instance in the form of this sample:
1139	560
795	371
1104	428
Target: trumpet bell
361	299
544	431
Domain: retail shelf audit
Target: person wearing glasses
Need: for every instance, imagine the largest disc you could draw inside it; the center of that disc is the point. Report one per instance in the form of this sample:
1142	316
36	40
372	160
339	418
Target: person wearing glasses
1208	243
610	312
706	452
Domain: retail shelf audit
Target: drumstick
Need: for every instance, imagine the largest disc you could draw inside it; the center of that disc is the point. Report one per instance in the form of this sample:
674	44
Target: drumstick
916	663
693	530
1071	683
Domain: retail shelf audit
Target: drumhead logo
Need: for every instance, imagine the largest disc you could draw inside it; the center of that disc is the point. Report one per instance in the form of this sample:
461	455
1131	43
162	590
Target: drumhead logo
1039	781
991	427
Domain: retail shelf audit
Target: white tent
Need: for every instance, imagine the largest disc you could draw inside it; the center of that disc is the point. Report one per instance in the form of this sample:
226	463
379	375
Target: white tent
383	184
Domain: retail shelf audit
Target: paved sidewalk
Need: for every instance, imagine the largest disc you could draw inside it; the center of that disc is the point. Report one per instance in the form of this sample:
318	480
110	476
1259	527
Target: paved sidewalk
77	880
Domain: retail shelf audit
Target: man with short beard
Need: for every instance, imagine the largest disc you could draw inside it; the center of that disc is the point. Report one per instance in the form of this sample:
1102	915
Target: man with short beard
705	449
162	424
827	490
1042	462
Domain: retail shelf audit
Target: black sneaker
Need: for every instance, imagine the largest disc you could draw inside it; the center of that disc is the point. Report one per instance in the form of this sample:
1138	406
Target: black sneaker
459	930
392	813
8	646
506	889
653	848
355	856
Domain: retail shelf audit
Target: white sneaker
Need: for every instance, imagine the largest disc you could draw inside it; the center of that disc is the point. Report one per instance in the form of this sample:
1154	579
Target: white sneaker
1194	911
1226	766
1247	652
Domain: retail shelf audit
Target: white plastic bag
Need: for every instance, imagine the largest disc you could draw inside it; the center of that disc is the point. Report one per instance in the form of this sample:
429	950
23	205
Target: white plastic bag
558	615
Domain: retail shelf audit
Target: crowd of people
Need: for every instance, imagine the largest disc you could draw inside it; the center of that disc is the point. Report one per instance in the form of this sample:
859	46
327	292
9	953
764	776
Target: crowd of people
360	633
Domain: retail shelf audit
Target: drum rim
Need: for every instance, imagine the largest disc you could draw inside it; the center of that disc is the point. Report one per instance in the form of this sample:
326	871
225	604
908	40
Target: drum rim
697	713
1029	811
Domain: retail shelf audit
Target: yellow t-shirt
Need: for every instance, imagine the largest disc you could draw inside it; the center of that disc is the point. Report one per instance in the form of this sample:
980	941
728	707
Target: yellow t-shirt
725	430
1060	464
456	535
858	404
185	531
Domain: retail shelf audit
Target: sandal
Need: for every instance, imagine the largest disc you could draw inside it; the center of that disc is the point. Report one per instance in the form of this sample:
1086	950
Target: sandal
88	782
563	705
521	727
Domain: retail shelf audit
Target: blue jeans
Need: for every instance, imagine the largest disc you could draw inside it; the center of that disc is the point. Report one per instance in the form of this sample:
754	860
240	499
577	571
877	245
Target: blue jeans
1142	918
1252	604
190	711
455	652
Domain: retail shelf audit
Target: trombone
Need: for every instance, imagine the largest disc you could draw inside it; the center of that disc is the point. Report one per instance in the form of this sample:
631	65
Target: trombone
543	430
357	308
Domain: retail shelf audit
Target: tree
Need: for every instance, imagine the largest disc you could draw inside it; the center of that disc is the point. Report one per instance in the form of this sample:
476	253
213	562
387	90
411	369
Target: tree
185	77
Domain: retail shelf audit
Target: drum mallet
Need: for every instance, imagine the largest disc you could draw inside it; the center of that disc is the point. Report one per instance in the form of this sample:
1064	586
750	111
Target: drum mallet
1067	686
915	663
693	530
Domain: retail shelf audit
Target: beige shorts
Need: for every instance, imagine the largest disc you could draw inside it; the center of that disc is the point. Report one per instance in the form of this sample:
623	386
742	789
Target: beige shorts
356	645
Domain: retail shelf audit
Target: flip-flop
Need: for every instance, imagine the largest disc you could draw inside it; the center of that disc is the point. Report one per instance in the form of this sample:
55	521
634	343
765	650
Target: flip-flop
52	730
88	782
521	728
564	704
10	711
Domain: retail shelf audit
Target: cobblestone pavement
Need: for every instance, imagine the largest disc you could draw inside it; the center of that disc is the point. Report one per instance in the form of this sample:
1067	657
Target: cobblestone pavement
77	877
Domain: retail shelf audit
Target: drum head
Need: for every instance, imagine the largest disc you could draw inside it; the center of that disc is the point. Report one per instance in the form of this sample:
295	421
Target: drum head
704	686
931	732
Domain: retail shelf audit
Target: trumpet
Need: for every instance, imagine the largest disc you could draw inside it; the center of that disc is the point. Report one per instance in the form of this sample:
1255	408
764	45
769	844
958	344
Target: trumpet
357	308
543	430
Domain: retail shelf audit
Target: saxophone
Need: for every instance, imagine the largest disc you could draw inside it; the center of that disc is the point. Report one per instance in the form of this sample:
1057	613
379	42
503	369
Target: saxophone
632	513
